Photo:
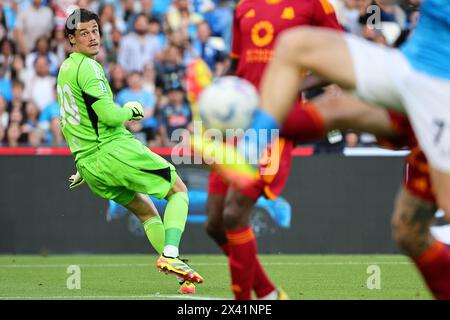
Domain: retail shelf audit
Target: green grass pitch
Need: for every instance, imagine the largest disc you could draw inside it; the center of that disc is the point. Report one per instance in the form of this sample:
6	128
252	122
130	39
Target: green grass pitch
303	277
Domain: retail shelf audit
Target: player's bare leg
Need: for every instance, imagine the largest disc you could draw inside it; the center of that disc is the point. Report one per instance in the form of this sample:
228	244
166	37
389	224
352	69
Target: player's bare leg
238	209
142	207
411	223
247	273
215	225
298	50
337	110
340	110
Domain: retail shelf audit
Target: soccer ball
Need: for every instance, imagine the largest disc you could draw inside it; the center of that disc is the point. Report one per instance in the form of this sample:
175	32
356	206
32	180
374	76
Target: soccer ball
228	103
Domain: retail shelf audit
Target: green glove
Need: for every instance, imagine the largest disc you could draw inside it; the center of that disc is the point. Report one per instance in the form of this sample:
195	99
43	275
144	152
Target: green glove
136	109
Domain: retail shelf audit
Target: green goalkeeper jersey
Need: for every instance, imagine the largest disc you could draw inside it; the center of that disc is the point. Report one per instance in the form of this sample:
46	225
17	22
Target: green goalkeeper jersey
89	117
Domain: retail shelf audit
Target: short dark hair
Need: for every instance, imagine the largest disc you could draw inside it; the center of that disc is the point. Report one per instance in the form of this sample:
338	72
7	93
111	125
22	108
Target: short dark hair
80	15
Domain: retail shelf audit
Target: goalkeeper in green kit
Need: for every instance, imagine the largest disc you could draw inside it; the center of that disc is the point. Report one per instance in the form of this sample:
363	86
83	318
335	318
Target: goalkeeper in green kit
110	160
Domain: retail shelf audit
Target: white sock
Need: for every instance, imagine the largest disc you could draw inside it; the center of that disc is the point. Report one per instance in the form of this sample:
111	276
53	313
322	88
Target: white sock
271	296
171	251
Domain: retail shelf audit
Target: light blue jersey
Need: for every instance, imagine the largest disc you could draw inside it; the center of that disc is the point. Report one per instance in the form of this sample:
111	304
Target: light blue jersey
428	49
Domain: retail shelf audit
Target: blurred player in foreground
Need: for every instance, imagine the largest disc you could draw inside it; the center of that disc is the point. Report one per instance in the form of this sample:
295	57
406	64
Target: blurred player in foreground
415	205
108	158
415	78
257	24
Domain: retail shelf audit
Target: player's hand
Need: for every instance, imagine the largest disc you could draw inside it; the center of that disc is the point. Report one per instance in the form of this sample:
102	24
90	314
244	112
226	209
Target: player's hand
75	180
136	108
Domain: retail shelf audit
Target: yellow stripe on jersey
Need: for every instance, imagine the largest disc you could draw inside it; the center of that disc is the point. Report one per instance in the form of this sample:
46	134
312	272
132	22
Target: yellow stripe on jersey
250	13
327	6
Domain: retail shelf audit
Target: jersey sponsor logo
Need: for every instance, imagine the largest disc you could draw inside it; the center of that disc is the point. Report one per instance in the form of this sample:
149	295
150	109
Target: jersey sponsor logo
262	33
258	55
288	13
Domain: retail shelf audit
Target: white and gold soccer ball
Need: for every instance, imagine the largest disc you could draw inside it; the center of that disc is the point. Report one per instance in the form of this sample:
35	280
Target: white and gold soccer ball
228	103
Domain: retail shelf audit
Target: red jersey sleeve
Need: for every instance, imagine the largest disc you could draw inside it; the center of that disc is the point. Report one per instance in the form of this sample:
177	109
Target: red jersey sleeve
324	15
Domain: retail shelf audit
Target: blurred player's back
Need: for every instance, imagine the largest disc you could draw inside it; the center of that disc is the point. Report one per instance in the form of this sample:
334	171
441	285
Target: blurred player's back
257	23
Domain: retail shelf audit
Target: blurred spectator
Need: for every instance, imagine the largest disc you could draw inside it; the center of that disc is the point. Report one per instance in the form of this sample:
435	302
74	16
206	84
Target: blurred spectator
136	92
18	101
170	70
176	114
206	49
19	71
180	39
113	52
126	10
5	86
59	45
179	16
31	118
351	139
9	12
35	21
117	78
40	86
154	28
7	52
139	47
160	8
148	78
42	48
220	20
145	7
35	137
109	22
4	115
201	6
49	124
16	116
4	32
13	134
61	10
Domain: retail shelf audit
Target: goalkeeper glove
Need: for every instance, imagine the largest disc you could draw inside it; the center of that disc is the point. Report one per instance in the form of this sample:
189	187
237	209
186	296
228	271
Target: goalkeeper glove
75	180
136	109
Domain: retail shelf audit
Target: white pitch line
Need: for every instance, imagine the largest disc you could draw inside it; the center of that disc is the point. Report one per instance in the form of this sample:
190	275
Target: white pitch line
127	265
146	296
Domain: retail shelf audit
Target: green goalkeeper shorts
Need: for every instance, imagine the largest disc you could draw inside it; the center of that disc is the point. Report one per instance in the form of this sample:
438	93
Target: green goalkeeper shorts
124	167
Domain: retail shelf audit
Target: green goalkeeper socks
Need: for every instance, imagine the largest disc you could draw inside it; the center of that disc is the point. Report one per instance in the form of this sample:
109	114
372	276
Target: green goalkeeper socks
154	229
175	217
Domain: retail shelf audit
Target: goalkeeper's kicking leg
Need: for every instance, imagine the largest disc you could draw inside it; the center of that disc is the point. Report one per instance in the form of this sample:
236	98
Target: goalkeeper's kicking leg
175	216
165	236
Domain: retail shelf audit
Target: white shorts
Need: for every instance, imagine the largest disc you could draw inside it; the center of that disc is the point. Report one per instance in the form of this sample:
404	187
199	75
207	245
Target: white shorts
385	77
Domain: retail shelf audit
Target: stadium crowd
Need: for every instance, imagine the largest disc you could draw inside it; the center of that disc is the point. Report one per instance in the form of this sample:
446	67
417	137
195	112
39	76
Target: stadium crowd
147	49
